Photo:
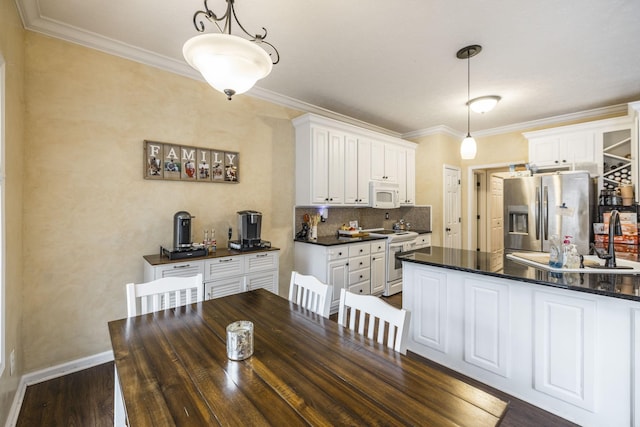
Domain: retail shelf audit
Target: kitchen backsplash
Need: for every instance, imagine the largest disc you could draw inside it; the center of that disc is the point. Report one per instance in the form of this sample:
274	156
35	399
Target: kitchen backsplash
419	217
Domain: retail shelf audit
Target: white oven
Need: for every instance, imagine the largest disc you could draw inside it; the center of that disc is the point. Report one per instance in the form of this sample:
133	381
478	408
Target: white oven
397	241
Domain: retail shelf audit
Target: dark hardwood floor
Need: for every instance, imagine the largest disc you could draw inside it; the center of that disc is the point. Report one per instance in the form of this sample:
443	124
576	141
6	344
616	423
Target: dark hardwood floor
85	398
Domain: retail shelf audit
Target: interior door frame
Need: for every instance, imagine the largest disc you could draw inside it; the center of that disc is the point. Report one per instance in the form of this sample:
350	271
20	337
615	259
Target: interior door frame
471	190
479	207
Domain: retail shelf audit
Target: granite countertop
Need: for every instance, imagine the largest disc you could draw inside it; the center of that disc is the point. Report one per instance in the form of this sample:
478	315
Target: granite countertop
625	286
333	240
159	259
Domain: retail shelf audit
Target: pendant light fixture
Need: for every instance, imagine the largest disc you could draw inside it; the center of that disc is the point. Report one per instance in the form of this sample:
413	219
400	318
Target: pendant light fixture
229	63
468	148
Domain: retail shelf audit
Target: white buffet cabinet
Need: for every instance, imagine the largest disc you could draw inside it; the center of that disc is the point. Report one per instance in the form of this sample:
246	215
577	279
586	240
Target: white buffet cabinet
357	267
570	353
224	274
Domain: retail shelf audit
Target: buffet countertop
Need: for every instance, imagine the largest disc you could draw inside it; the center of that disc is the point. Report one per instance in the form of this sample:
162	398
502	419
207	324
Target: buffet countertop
625	286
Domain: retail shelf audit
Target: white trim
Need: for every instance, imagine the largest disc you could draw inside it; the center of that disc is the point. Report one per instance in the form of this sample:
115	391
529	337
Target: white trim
471	189
49	374
5	358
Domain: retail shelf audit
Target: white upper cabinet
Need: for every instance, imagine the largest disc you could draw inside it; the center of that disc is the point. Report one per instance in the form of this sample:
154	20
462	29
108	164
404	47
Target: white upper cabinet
407	173
336	161
607	148
561	148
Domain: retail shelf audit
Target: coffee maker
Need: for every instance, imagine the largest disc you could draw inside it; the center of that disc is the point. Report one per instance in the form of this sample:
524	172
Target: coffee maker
182	231
249	230
182	244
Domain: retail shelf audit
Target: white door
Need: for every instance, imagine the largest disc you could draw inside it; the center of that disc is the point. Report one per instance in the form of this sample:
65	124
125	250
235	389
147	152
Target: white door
452	201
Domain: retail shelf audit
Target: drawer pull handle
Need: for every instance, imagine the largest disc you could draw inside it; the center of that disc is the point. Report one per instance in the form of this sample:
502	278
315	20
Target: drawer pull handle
226	260
261	255
182	266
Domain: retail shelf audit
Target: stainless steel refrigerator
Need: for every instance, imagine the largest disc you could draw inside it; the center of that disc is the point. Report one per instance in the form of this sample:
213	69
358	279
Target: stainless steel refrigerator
539	206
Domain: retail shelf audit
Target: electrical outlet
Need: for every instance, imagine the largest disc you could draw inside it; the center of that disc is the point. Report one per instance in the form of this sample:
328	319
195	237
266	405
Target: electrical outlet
386	215
12	362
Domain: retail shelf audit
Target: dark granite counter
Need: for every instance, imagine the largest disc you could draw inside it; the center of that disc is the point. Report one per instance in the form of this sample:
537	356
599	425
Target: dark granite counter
159	259
333	240
625	286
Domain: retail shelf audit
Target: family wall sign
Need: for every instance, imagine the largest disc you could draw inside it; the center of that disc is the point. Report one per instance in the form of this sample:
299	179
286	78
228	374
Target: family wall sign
183	163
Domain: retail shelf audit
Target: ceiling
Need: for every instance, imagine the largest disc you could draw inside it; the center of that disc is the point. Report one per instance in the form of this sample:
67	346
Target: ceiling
392	64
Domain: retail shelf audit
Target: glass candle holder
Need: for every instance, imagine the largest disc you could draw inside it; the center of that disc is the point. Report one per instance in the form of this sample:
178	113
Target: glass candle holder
240	340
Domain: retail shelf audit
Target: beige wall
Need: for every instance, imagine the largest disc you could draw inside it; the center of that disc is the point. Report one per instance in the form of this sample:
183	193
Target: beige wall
432	153
12	54
89	214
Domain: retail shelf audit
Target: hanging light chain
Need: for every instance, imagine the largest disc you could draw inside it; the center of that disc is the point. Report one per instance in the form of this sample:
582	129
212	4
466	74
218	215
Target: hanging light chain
229	13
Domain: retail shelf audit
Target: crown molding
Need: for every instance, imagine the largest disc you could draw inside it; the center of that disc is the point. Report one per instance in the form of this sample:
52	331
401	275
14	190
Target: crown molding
434	130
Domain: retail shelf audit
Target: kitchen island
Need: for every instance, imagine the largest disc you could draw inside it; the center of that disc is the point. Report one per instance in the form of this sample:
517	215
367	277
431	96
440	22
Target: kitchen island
566	342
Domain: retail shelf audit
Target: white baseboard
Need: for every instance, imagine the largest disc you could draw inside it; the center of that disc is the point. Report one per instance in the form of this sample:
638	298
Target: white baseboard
49	374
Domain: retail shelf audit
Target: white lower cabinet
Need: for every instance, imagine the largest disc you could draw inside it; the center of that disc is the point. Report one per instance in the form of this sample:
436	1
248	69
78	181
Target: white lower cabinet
564	347
486	325
378	266
347	266
225	275
571	353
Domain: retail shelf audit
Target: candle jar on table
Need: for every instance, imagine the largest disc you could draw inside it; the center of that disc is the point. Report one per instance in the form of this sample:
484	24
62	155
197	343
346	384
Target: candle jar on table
240	340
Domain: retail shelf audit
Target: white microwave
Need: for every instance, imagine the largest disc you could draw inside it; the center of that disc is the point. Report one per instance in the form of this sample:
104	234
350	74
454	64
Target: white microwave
384	195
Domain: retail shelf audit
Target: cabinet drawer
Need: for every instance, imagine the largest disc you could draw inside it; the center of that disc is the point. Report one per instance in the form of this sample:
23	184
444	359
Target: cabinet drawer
223	267
360	249
261	262
360	288
224	287
179	269
423	241
359	263
378	247
359	276
337	252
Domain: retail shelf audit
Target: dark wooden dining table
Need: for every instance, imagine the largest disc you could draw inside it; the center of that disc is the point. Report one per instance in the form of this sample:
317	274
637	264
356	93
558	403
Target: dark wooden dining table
173	369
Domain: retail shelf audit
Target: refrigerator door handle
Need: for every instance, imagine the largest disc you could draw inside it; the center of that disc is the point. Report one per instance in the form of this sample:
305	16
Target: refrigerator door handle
545	217
537	213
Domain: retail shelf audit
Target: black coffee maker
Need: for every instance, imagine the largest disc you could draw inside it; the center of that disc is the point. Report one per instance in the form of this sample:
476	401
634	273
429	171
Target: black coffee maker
249	228
182	231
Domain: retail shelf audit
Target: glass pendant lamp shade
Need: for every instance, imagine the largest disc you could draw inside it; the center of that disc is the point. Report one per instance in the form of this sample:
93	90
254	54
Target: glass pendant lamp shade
229	63
468	148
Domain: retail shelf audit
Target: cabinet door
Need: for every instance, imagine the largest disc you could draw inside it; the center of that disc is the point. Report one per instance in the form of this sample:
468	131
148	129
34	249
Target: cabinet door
224	287
377	160
319	165
351	147
391	159
577	147
486	325
337	274
378	279
410	176
336	168
564	348
430	324
364	171
266	280
544	151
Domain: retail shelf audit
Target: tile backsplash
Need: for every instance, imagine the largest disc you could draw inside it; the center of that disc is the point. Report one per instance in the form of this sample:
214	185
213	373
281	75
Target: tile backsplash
419	217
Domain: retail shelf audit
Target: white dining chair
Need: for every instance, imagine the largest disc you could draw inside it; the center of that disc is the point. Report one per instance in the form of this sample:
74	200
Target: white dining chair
310	293
160	294
143	298
356	311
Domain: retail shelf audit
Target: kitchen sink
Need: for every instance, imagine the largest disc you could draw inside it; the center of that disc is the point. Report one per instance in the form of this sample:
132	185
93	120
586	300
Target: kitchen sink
592	264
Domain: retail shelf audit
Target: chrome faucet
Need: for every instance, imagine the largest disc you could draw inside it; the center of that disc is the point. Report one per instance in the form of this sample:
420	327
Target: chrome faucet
615	229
